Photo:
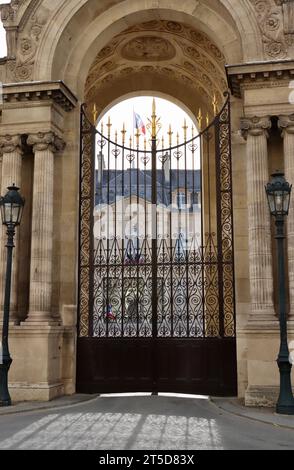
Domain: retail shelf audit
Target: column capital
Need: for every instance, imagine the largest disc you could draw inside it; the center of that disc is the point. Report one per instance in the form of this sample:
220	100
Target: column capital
46	141
255	126
10	143
286	124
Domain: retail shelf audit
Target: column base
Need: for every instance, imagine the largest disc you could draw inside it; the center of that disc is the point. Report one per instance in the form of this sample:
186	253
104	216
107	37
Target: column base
261	347
262	319
42	391
36	370
261	396
41	318
44	361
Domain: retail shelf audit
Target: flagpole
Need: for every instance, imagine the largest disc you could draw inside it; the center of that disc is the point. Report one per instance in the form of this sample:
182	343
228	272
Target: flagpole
133	162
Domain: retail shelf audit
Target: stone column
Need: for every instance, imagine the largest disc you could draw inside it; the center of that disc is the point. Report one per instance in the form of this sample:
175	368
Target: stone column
255	131
10	147
286	124
44	147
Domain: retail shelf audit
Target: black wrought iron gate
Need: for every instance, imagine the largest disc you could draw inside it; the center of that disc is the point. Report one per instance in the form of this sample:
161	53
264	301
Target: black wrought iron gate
156	261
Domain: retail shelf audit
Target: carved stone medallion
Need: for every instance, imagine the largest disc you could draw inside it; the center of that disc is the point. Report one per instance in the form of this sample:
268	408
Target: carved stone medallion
148	48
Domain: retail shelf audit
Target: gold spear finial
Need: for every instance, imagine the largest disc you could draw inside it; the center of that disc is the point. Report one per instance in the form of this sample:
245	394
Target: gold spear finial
102	127
215	105
123	132
185	128
115	136
162	142
207	119
145	144
131	142
109	126
199	119
95	114
137	135
170	135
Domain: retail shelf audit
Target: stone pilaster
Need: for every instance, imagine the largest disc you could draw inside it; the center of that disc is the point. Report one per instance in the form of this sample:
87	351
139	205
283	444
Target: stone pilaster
286	124
255	131
44	147
10	148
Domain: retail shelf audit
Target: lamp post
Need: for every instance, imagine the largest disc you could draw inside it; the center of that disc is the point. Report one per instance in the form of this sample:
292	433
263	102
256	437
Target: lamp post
11	206
278	192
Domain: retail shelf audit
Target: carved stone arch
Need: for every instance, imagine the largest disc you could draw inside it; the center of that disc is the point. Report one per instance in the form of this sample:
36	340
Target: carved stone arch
226	21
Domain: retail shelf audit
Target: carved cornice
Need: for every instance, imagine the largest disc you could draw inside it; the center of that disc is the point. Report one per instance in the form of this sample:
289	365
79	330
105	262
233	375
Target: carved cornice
43	141
255	126
57	92
10	144
259	75
286	124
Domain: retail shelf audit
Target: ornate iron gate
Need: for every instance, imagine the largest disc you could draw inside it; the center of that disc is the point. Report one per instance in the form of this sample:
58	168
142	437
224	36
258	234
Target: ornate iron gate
156	262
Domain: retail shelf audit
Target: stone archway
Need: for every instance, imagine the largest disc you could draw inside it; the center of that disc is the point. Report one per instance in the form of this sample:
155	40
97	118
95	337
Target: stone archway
76	28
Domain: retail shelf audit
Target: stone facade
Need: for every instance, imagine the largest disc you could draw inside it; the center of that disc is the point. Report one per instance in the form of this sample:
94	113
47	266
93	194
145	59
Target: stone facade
66	52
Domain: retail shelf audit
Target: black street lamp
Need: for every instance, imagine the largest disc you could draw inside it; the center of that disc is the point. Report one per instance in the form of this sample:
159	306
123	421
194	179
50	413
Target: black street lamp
11	206
278	192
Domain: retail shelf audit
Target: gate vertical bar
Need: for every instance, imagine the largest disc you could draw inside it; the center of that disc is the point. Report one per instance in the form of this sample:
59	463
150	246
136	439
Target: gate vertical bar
154	243
92	206
219	196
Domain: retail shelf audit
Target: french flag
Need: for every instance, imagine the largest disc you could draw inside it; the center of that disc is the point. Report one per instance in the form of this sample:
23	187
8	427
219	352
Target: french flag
139	124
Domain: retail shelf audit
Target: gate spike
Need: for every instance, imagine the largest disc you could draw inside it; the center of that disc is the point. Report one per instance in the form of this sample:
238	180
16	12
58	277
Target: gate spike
185	127
193	131
109	126
123	134
207	119
199	119
102	127
178	138
145	144
162	142
115	136
137	135
170	134
95	114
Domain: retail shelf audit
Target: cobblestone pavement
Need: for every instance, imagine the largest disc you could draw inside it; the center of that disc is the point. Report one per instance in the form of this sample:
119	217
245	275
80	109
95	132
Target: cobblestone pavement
140	422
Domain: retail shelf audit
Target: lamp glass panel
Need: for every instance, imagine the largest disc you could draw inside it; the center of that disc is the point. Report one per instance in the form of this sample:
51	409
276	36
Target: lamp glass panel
8	213
3	213
279	200
15	213
286	202
272	202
